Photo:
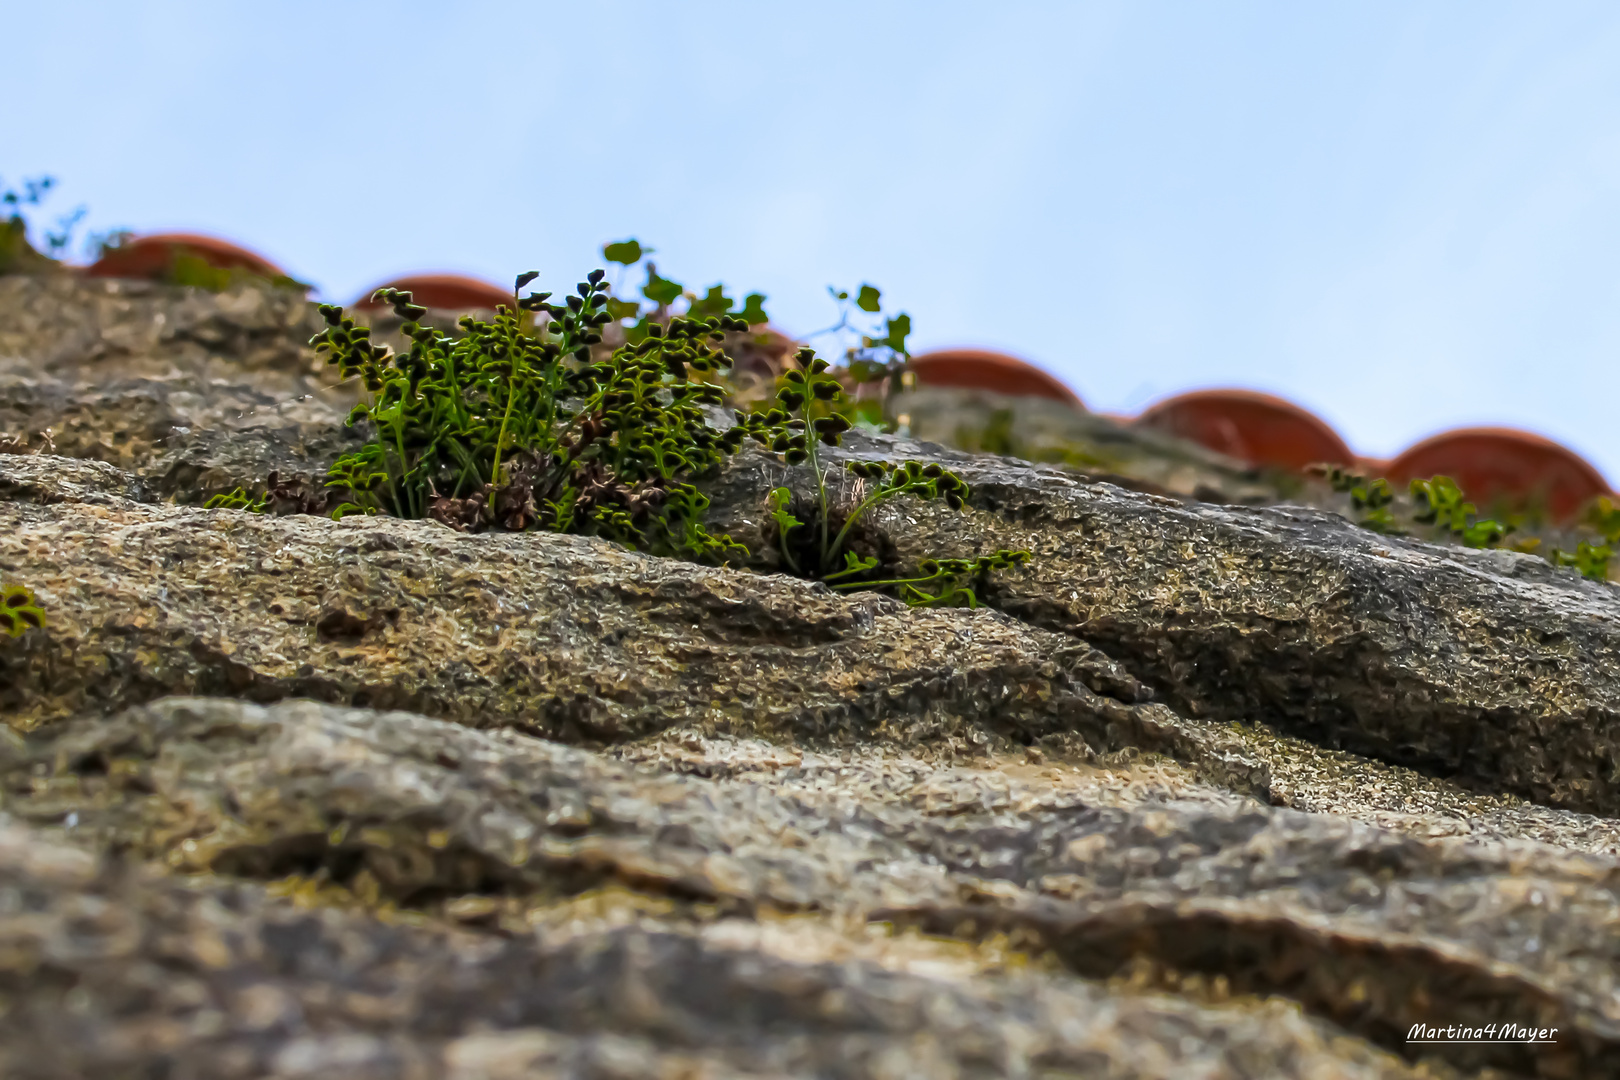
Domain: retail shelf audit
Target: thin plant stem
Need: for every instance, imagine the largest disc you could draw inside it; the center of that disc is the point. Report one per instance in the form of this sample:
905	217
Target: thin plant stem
810	441
871	500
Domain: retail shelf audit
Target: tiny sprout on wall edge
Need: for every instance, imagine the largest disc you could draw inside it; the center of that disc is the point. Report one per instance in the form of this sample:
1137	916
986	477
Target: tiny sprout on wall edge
805	416
239	499
1439	503
1370	498
20	611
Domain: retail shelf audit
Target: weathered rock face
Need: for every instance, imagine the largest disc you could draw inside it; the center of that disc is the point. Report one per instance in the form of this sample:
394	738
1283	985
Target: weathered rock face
1490	666
566	636
197	393
128	974
66	323
1158	886
1209	791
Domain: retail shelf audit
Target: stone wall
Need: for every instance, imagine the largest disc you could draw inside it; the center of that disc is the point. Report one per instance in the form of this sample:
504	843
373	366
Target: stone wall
1205	791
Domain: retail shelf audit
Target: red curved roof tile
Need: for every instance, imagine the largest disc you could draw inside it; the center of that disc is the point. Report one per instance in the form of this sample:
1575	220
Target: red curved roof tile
150	257
980	369
1253	427
1493	463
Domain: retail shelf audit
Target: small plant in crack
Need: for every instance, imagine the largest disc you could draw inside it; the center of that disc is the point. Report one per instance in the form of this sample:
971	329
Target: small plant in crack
807	416
296	494
239	499
1592	559
1370	498
1440	502
20	611
1437	502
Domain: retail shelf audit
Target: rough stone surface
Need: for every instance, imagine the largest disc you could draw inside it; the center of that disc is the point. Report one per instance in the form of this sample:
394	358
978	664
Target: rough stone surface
1490	666
188	441
567	636
66	323
1208	791
194	392
1371	929
111	972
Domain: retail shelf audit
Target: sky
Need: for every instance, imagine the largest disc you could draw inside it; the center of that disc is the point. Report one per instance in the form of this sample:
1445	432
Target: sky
1405	217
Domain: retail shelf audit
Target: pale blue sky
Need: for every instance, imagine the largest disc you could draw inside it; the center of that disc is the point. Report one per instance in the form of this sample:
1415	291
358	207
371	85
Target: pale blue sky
1403	215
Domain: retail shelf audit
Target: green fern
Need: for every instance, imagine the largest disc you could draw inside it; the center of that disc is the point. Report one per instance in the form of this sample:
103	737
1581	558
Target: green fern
239	499
516	423
807	415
